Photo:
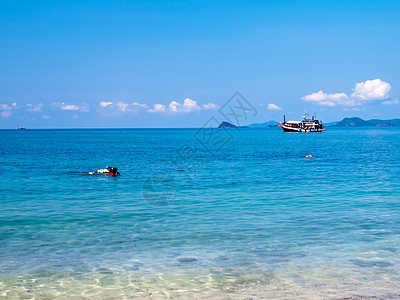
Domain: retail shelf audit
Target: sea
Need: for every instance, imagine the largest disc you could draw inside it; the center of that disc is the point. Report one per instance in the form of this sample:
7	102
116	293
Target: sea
200	214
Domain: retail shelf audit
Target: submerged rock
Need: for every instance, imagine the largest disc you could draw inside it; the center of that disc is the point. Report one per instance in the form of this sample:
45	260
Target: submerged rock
187	259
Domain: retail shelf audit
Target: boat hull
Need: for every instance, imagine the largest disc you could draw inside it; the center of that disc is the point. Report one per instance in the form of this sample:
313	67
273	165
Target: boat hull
287	128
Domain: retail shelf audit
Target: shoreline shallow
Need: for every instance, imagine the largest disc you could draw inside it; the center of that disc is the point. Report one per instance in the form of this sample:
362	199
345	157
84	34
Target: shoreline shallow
109	284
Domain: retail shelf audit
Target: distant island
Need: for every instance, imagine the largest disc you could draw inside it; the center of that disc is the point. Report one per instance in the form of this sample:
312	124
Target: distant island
346	122
358	122
225	124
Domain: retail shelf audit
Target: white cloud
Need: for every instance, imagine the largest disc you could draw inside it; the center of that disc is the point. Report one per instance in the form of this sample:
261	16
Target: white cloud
187	106
174	106
6	113
83	107
391	101
34	107
372	90
7	109
123	107
69	107
325	99
157	108
105	103
353	109
140	105
272	106
363	91
45	117
210	106
75	116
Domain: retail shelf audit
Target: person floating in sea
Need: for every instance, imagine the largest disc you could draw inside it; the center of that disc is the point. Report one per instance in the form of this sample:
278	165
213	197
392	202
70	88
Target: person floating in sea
107	171
113	172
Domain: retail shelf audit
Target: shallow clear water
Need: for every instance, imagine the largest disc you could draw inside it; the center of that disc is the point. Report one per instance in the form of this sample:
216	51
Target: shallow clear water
254	219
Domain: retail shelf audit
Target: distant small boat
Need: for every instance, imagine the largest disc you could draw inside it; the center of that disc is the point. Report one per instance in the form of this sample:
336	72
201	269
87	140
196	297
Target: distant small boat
306	125
21	128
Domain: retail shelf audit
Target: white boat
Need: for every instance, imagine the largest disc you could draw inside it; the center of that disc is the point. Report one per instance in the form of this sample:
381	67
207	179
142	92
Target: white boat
306	125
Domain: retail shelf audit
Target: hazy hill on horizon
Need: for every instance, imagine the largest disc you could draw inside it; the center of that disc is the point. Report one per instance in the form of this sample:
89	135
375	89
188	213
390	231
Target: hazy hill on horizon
346	122
358	122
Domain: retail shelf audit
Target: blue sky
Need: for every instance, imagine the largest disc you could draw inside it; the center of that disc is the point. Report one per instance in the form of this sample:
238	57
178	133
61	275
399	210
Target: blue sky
117	63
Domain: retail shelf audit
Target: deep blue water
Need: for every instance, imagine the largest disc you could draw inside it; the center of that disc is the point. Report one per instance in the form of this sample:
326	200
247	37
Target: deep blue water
244	214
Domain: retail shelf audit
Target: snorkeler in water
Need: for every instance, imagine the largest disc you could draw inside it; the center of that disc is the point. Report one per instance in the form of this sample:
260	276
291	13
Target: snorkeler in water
113	171
108	171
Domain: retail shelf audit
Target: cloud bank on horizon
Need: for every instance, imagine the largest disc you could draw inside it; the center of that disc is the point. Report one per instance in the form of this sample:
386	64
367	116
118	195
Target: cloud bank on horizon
187	106
363	92
375	90
122	106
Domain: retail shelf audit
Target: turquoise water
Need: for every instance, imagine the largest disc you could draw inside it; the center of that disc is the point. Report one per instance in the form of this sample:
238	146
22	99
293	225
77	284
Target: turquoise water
254	219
